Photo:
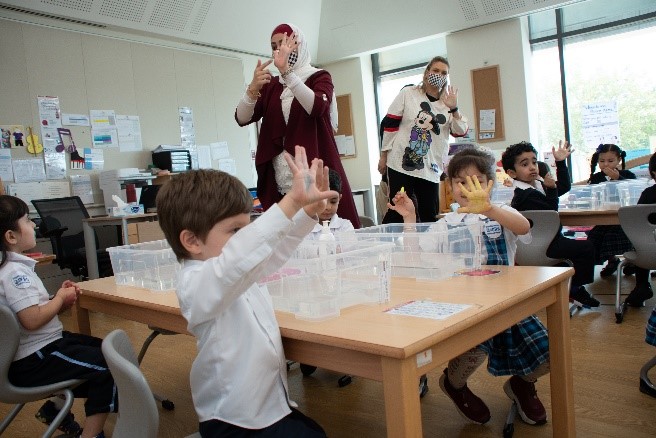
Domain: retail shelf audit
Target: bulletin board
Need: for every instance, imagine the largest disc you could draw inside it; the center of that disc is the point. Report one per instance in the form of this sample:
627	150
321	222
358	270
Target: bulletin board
486	90
344	136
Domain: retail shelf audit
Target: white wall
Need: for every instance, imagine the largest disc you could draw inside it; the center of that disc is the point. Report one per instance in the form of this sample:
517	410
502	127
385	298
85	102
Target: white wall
96	72
504	44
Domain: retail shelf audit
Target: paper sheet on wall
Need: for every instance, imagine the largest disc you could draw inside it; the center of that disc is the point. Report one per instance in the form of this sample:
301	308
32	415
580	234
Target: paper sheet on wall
49	111
129	133
204	156
428	309
39	190
94	159
103	118
6	169
104	137
29	170
55	161
81	186
600	124
75	120
228	165
487	121
219	150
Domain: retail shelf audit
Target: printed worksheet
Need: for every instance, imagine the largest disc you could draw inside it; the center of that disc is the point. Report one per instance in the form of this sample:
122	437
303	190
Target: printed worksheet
428	309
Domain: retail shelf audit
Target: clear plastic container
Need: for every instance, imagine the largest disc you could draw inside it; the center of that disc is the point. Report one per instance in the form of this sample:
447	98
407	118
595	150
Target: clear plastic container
151	265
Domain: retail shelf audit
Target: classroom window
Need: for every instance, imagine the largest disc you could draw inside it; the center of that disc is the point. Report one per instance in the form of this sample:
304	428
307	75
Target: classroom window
604	62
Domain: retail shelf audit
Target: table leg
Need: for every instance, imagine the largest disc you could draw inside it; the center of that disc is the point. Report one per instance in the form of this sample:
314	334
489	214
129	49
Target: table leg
560	351
401	389
90	248
81	322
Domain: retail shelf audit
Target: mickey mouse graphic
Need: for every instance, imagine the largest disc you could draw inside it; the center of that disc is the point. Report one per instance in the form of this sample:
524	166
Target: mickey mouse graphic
420	137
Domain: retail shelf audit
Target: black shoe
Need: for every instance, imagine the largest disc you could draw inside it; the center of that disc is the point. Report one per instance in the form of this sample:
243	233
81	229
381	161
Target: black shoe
47	413
646	388
582	298
423	386
639	295
610	267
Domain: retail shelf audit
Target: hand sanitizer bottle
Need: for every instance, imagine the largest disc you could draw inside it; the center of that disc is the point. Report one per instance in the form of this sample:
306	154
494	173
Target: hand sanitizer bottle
327	247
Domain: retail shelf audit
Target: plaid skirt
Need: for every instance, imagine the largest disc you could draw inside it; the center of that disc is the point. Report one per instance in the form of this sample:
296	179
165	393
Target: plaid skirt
651	329
609	241
519	350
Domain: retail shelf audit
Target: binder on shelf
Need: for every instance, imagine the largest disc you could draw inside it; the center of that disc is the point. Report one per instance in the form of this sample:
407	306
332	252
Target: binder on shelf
172	159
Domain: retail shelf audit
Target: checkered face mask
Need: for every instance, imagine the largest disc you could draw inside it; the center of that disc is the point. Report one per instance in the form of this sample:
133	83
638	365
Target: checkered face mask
436	80
293	57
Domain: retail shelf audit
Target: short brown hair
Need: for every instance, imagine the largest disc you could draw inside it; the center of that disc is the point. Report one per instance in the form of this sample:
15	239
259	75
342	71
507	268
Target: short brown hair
196	201
482	160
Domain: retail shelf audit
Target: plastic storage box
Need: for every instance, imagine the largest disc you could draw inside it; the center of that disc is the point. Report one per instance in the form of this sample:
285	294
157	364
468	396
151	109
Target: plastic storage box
151	265
430	251
315	287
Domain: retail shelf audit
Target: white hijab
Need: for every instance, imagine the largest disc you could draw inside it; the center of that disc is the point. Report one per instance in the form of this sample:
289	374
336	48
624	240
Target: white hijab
303	70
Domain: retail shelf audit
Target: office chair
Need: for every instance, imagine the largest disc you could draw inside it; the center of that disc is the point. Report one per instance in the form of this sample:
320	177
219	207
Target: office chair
137	411
639	225
10	329
61	221
148	197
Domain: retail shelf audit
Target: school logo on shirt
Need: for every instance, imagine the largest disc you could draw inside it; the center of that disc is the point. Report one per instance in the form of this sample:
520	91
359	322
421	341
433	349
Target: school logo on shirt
492	229
21	281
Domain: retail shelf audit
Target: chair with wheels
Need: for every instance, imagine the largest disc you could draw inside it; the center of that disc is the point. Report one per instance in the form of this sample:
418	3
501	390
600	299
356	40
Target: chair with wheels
639	225
137	411
61	221
10	329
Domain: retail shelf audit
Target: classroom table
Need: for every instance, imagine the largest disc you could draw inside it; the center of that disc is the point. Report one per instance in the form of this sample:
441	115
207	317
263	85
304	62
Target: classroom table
367	341
90	237
581	217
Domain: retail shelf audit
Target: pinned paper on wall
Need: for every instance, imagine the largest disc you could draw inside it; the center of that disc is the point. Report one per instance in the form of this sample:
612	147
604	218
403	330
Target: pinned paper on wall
104	137
219	150
29	170
129	133
75	120
94	159
6	169
228	165
49	111
204	156
55	160
81	186
103	118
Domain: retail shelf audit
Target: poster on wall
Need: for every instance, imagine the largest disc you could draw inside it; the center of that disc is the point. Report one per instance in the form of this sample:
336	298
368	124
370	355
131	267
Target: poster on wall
600	123
49	111
12	136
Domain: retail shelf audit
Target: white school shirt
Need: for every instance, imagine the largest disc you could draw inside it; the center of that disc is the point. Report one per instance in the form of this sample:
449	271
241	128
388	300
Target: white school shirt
510	237
240	373
337	225
21	288
537	185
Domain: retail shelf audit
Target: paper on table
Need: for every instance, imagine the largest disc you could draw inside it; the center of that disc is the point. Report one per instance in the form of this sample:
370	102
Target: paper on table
428	309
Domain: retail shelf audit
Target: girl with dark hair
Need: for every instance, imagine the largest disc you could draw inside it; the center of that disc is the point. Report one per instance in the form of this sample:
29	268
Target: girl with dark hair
609	240
415	139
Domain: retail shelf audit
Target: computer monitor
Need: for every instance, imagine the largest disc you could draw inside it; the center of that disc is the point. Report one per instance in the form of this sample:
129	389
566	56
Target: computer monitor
148	196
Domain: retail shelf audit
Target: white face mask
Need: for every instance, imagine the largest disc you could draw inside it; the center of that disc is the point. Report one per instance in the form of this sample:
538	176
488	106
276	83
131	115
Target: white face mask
436	80
293	57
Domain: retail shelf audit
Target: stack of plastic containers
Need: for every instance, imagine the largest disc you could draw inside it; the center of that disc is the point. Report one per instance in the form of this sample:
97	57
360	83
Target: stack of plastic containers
151	265
427	251
606	195
316	282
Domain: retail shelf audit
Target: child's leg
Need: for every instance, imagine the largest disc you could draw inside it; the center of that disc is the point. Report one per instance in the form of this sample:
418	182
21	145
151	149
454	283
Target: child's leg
521	389
93	425
642	290
581	254
454	384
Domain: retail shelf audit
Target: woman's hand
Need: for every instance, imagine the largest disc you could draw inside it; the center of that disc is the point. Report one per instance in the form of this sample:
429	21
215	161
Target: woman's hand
281	55
450	97
382	163
261	76
478	198
403	205
564	150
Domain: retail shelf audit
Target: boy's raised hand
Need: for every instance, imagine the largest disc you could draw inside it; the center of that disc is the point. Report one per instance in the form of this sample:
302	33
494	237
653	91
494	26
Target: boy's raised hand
310	186
403	205
478	198
564	150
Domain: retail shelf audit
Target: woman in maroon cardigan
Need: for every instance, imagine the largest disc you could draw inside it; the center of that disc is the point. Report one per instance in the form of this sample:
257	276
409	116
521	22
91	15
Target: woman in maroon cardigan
297	108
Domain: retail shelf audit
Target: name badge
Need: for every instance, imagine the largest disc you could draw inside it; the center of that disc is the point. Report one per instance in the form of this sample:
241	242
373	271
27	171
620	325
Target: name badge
21	281
492	230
